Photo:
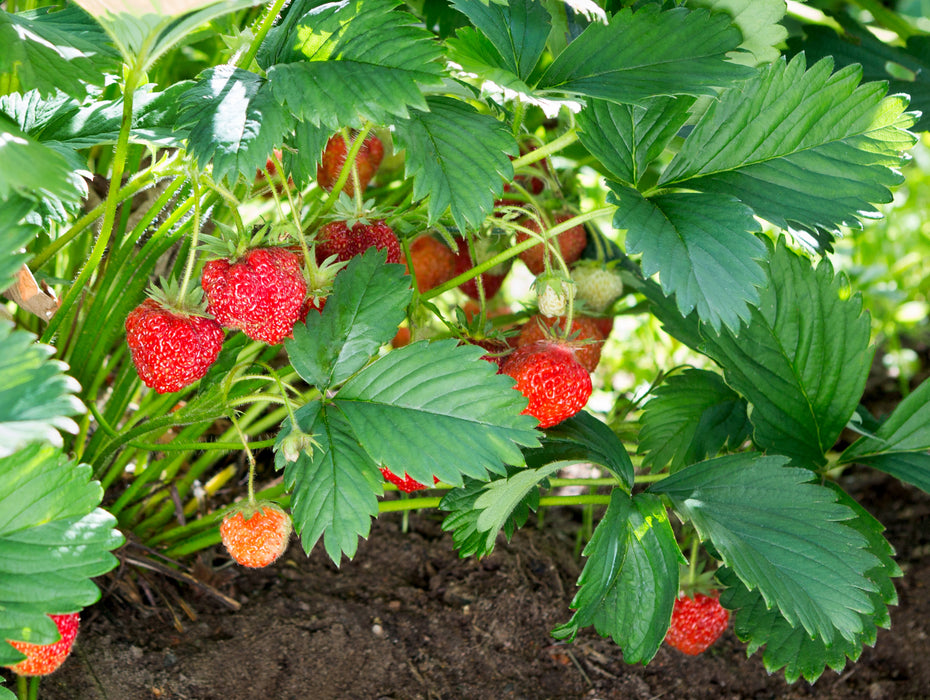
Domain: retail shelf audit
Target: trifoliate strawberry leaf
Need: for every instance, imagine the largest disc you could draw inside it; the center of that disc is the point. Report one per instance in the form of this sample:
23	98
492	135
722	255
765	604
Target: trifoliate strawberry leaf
584	438
53	540
701	245
802	360
652	53
335	488
626	139
404	407
690	418
462	519
36	396
234	121
517	30
368	302
628	586
458	158
907	429
51	51
905	68
808	150
781	535
759	22
344	63
500	497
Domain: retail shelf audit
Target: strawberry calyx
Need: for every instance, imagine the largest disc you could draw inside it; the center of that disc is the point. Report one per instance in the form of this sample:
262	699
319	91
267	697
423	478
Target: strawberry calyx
167	294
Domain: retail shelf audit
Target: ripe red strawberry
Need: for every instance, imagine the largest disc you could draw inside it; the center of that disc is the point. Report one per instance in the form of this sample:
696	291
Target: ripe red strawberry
491	280
588	354
171	349
697	623
605	324
405	484
256	535
531	183
42	659
272	174
548	374
433	262
497	349
335	238
261	293
571	244
334	157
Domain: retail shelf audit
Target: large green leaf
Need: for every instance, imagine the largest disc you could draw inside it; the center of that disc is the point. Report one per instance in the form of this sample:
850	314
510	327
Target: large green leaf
348	62
14	236
691	417
368	301
517	30
629	584
783	536
335	487
802	361
912	467
52	51
808	150
34	170
651	53
437	409
53	540
907	429
758	20
36	396
701	245
234	120
458	158
626	139
306	152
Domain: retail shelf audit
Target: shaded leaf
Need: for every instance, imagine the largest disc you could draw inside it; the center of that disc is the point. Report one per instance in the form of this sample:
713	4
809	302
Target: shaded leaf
34	170
759	22
906	429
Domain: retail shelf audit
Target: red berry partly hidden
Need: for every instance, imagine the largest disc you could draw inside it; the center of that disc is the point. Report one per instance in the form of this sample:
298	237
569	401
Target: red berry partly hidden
571	244
587	353
548	374
405	483
42	659
170	349
334	157
261	293
433	262
497	348
491	280
697	623
336	238
256	536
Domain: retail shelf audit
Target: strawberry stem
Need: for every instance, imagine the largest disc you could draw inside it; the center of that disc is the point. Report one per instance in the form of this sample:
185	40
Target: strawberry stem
546	150
248	454
245	60
192	252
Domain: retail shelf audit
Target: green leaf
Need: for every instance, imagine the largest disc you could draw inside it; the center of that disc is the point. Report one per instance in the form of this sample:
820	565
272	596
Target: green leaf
500	497
758	20
626	139
629	584
808	150
792	648
14	236
905	68
458	158
584	438
912	467
701	245
53	540
34	170
308	141
36	396
518	30
335	489
782	536
907	429
234	121
652	53
462	519
6	694
350	62
52	51
368	302
404	407
691	417
802	361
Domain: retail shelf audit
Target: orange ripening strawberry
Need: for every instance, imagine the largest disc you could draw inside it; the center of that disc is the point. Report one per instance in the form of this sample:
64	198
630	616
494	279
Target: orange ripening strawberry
491	280
433	262
171	349
697	623
367	163
42	659
548	374
337	239
571	244
587	329
261	293
256	535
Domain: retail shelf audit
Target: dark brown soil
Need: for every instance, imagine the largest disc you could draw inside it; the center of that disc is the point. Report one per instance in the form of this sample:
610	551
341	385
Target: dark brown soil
408	619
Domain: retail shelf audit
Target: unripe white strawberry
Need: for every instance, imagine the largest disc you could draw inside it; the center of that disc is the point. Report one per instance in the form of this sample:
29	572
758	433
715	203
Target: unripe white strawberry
553	291
597	286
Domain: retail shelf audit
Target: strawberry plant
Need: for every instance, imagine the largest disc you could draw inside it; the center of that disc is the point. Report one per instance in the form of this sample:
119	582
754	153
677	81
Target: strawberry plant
686	162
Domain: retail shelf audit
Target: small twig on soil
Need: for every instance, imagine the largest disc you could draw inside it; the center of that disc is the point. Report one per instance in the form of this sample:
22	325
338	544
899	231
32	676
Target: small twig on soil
578	666
182	576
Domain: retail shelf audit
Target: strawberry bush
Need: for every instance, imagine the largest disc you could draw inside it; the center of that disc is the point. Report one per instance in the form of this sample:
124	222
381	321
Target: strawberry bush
389	242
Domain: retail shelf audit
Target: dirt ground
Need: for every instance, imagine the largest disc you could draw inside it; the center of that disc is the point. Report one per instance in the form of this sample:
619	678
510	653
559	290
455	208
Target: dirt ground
408	619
